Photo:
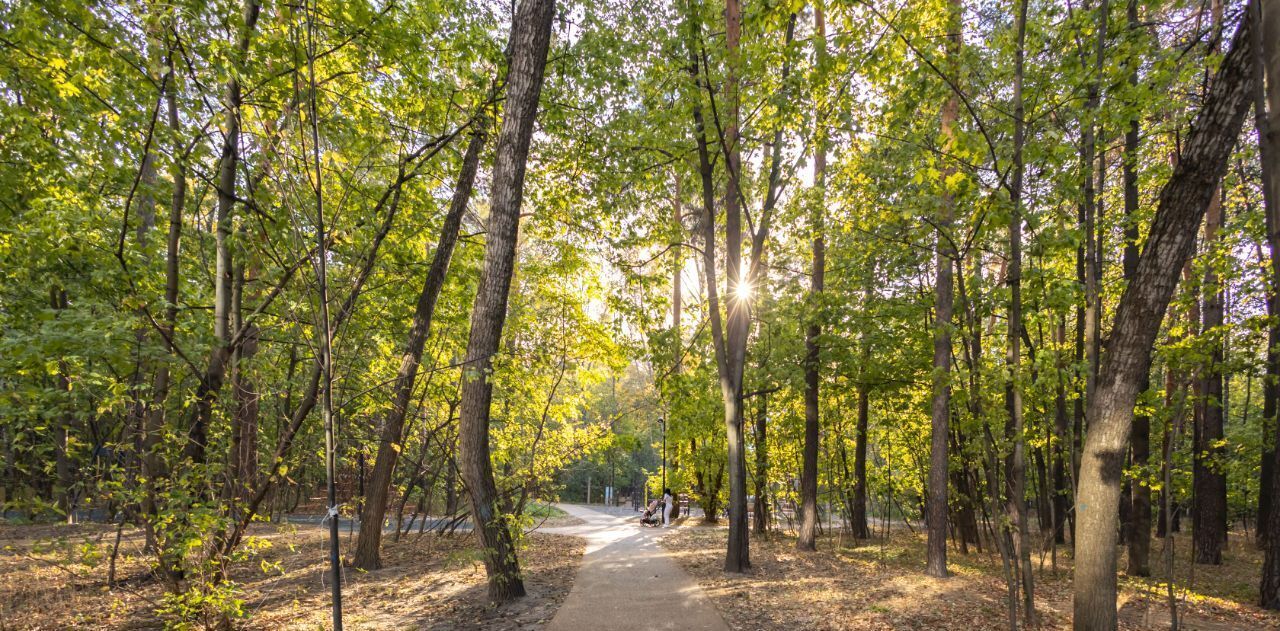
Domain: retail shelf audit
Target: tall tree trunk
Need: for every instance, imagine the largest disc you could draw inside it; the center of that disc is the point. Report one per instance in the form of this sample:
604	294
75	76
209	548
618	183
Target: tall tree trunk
943	305
1181	207
1017	465
1209	530
389	447
1091	216
1266	118
530	39
1267	115
1210	486
737	318
709	274
813	351
1140	448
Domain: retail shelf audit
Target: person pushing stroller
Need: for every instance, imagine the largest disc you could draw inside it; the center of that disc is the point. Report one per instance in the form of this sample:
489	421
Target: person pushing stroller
659	511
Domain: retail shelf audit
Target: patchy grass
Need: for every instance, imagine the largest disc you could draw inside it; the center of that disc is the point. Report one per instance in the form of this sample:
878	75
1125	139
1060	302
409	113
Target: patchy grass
55	577
882	585
538	509
548	516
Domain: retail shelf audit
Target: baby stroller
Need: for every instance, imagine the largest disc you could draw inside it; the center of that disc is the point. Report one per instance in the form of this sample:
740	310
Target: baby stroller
653	514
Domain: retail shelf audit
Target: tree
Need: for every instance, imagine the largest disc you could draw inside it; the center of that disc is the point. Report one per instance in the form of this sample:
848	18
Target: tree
374	510
1182	204
228	162
939	464
530	40
1266	60
813	349
1140	535
1016	478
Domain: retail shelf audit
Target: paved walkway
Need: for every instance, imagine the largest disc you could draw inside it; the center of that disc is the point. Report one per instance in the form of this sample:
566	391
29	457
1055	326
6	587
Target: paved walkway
627	581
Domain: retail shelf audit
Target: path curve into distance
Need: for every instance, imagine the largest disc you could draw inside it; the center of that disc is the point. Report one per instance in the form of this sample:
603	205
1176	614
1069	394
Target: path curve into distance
627	581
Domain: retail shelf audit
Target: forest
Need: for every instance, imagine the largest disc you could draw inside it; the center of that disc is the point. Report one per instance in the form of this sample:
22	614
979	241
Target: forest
908	314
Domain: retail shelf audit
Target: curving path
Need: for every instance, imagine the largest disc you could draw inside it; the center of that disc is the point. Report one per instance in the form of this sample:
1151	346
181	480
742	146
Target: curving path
627	581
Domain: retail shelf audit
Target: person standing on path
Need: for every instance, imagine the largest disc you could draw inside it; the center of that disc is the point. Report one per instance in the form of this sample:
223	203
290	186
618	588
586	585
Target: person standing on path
667	504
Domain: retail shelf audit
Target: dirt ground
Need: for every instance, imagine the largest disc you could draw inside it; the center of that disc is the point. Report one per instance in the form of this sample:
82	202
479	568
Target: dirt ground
881	585
55	577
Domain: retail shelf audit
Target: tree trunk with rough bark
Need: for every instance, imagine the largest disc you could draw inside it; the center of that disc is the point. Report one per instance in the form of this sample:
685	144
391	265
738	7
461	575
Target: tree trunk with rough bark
1267	99
1209	527
530	40
1182	204
1266	117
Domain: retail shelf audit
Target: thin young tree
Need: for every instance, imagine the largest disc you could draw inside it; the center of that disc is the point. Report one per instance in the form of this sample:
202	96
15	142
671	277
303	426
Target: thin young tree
324	331
813	350
376	497
1140	448
1017	466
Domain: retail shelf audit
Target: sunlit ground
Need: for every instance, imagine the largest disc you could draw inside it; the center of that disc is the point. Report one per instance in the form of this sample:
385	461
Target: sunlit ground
54	577
881	585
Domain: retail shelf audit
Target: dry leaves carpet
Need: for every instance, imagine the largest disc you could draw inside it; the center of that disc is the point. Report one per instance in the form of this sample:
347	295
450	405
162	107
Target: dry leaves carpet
881	585
55	577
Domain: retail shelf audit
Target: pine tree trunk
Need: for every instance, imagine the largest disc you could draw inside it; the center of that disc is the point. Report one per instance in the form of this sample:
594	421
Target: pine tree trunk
530	39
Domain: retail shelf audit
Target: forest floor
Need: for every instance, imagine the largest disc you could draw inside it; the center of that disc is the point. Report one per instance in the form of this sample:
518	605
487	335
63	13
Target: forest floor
55	577
882	585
